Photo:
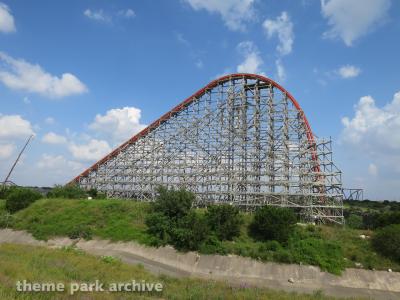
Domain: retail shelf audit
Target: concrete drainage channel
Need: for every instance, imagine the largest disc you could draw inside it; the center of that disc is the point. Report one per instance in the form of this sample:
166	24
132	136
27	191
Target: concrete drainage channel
232	269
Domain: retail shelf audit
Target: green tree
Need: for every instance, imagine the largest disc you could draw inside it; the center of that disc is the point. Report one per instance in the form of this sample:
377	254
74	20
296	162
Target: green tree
173	204
225	220
21	198
189	232
173	221
273	223
386	241
159	226
354	221
69	191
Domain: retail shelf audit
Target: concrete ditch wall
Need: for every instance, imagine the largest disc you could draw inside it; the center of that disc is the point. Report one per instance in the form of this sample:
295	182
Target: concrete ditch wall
233	269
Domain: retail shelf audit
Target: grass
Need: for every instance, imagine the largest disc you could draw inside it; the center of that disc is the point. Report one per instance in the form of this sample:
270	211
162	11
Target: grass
38	264
332	248
358	250
116	220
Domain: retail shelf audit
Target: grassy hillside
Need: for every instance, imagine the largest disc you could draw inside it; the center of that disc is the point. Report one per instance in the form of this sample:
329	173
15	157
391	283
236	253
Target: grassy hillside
37	264
331	248
108	219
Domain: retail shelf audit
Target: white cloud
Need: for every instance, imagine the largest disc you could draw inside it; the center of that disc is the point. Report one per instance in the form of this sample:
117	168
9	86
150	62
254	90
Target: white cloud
14	126
49	120
280	70
20	75
282	27
101	16
371	140
199	64
6	150
93	150
127	13
59	164
352	19
12	129
349	71
374	131
373	126
97	15
181	39
252	59
235	13
372	169
118	124
7	24
53	138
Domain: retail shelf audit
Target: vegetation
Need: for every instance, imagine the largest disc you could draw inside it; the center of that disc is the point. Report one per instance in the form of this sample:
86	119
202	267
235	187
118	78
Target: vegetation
331	247
94	194
6	219
373	214
355	221
20	198
70	191
37	264
6	190
273	223
172	221
225	220
387	241
108	219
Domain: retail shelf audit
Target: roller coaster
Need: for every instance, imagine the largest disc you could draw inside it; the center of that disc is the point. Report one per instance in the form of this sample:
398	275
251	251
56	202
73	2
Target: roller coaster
242	139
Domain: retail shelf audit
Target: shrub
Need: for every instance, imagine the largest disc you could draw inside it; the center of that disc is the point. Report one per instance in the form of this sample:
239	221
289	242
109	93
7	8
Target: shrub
6	190
110	259
355	221
273	223
173	222
81	231
70	191
6	219
92	193
212	245
189	232
159	226
387	241
326	254
173	204
370	220
225	220
381	219
21	198
95	194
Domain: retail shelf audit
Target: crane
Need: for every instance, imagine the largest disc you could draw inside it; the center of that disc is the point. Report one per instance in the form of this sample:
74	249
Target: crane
16	161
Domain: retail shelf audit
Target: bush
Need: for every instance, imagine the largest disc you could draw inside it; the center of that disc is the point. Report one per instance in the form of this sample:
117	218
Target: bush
6	190
173	204
81	231
212	245
159	226
273	223
95	194
387	241
173	222
70	191
326	254
21	198
225	220
355	221
380	219
6	219
189	232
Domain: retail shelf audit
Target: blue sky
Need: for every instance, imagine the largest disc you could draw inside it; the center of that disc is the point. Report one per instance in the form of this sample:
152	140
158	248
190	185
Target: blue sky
84	76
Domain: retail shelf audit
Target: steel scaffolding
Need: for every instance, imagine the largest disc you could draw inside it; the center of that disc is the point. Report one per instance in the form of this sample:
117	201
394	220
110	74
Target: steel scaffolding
242	140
